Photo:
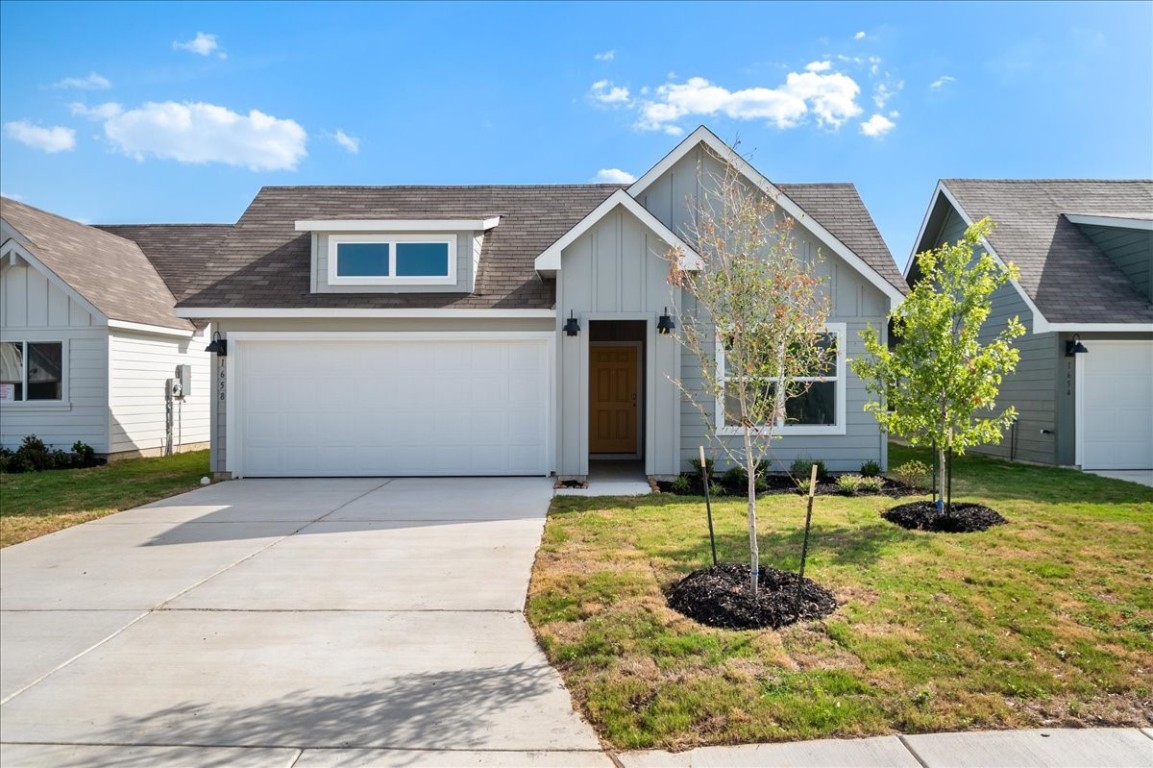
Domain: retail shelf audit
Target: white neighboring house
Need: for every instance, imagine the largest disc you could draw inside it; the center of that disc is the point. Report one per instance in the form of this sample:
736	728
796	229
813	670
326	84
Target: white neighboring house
88	338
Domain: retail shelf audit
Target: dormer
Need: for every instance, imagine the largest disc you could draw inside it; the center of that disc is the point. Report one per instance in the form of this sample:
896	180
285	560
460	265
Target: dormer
396	255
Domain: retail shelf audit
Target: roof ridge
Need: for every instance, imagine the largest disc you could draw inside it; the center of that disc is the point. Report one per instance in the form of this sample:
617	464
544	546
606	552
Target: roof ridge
445	186
162	224
1050	181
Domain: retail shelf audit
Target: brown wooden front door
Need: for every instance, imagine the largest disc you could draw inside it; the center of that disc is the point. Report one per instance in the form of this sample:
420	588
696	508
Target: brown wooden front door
613	399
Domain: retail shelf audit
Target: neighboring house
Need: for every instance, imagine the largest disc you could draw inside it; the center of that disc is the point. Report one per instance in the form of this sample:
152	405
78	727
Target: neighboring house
88	337
1085	254
422	330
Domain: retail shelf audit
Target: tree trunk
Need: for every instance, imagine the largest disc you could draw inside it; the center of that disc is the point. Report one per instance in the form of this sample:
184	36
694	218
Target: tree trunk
941	477
754	550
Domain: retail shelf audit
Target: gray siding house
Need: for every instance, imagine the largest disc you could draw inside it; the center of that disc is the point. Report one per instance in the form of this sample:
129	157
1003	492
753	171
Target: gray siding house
89	338
498	330
1084	386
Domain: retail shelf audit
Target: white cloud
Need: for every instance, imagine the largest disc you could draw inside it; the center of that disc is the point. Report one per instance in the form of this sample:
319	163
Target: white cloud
93	82
614	176
604	92
942	81
605	56
203	44
877	126
859	36
884	92
50	140
346	141
830	97
195	132
104	111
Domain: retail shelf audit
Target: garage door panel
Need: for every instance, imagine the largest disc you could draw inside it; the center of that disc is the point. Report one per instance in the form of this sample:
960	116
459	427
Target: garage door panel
1117	412
393	407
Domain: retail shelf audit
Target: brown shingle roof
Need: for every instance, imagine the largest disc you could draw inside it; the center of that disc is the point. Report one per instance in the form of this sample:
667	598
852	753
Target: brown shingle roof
265	263
178	252
839	209
1063	272
111	272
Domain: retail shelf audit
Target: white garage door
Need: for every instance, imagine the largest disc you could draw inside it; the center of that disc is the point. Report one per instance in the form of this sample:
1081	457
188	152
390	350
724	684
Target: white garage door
1117	410
413	407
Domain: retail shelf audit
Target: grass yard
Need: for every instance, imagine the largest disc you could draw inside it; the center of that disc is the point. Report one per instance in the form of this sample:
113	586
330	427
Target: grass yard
1047	621
35	503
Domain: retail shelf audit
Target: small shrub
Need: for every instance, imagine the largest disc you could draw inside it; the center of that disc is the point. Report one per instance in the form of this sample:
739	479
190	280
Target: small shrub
35	454
682	485
85	454
803	486
735	476
716	489
874	484
61	460
849	484
914	474
802	469
870	469
708	466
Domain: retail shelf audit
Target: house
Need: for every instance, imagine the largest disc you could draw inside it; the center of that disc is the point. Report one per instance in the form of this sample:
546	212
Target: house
1083	388
89	341
498	330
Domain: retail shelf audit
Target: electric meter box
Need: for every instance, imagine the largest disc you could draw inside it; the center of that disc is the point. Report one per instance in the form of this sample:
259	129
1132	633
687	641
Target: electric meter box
184	376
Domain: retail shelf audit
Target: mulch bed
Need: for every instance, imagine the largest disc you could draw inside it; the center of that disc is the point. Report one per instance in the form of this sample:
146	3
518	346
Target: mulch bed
719	596
960	518
783	484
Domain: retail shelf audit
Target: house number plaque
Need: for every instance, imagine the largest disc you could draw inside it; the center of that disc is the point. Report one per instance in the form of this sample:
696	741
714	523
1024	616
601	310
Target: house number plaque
220	382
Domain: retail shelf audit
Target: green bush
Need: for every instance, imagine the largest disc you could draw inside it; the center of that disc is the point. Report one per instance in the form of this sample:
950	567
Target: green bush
873	484
716	489
849	484
914	474
34	456
735	476
708	466
802	468
870	469
682	485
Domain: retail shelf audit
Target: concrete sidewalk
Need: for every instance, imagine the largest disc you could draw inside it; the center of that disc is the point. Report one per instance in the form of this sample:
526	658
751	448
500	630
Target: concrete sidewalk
1043	748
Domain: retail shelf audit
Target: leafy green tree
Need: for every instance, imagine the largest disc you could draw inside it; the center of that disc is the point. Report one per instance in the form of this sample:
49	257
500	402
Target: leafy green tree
756	303
939	377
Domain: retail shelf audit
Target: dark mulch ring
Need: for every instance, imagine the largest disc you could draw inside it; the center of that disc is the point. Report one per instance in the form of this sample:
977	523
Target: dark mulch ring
960	518
780	484
719	596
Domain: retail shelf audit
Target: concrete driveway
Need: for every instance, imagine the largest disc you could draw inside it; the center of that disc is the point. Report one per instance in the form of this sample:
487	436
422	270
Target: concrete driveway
287	622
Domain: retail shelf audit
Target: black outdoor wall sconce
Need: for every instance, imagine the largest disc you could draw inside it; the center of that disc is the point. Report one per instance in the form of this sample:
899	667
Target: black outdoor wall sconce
572	326
1075	347
218	346
665	324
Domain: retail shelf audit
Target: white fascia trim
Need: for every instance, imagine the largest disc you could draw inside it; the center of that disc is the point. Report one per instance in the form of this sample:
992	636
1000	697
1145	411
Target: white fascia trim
12	246
1040	324
921	232
243	336
550	259
159	330
1117	222
726	153
211	313
397	225
1100	327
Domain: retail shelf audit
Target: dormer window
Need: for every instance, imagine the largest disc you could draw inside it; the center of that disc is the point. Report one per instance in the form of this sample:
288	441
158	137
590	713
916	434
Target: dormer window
391	260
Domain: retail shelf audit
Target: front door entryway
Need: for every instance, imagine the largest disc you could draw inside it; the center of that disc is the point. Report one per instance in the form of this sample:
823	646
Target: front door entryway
614	414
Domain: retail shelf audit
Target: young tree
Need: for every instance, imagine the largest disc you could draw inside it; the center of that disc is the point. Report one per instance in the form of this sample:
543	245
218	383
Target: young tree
939	375
754	317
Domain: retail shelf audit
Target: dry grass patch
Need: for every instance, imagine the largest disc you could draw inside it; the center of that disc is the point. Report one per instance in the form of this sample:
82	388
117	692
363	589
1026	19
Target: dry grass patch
1046	621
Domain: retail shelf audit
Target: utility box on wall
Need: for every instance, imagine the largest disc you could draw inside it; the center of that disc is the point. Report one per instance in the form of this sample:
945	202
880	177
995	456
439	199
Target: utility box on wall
184	377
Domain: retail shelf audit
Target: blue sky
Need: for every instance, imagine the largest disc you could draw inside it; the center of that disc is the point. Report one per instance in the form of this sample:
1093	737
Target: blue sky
171	112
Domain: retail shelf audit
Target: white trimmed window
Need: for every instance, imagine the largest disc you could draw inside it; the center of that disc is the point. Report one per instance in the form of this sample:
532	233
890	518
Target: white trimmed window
391	260
31	371
820	410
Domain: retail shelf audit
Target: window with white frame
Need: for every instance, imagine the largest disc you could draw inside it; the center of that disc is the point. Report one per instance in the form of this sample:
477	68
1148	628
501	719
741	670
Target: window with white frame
819	410
391	260
31	371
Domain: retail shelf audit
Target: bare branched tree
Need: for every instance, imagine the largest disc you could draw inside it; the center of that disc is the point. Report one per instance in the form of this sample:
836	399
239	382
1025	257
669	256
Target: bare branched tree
754	316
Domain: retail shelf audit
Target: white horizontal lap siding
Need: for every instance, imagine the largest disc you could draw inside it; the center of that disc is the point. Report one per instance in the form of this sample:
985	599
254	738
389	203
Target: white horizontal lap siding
140	365
390	404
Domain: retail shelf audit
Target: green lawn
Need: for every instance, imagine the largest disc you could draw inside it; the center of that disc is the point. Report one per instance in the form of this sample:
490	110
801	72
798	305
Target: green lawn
1047	621
35	503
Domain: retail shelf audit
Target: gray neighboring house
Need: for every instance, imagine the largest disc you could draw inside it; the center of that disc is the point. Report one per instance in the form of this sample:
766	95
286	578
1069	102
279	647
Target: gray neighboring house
500	330
89	337
1085	254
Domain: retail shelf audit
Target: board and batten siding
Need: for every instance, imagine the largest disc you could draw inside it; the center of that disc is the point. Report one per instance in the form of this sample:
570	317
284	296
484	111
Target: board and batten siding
616	271
1130	249
466	245
140	366
32	308
218	372
1043	431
